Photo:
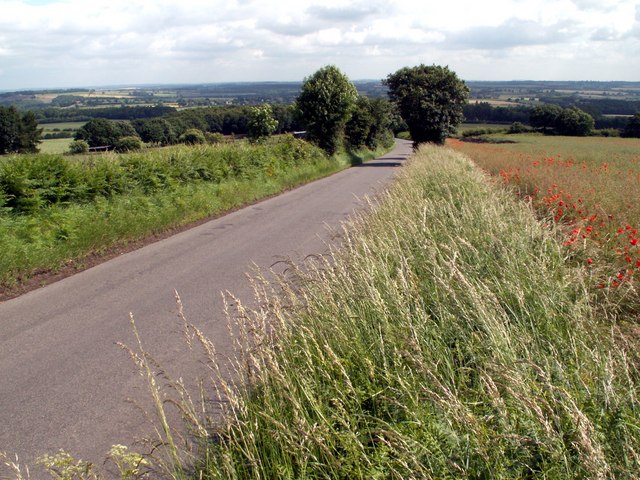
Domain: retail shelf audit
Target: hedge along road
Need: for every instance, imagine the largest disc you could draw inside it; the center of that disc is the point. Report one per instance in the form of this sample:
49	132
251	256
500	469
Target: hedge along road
64	382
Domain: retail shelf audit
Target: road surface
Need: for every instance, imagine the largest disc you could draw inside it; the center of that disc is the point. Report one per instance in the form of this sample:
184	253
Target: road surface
64	383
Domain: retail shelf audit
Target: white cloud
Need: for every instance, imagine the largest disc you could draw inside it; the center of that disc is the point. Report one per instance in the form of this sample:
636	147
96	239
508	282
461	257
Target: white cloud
512	33
75	42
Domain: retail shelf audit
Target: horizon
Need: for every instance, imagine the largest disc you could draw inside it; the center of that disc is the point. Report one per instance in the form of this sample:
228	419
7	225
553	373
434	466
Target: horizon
125	86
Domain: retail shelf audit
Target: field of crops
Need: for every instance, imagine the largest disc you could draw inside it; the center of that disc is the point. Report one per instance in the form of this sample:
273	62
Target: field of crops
588	187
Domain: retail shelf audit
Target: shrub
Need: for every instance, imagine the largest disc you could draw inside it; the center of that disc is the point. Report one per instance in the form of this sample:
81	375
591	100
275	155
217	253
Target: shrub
607	132
193	136
518	127
214	138
128	144
477	132
78	147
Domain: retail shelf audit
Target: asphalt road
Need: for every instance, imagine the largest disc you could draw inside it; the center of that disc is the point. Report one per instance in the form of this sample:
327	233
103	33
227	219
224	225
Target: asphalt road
64	383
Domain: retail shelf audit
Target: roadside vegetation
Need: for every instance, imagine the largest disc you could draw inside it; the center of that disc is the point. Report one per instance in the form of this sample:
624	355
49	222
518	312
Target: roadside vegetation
456	331
448	337
54	210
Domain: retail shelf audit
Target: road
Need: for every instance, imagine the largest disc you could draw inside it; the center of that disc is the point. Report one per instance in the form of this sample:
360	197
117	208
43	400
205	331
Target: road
64	383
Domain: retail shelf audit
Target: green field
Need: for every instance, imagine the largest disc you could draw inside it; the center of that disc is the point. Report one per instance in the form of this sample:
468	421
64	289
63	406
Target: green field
56	145
51	127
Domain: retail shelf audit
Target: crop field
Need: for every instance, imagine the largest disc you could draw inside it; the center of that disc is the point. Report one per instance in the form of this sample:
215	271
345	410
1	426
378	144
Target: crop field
588	187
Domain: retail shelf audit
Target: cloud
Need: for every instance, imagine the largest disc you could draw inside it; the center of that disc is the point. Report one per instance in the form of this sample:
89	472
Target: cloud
605	34
513	33
348	14
598	5
52	43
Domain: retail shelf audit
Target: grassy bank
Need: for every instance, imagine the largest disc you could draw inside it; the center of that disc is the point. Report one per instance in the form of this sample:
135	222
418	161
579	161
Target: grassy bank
56	209
447	339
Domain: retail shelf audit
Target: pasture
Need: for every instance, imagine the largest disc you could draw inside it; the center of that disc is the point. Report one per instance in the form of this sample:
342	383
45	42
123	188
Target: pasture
55	145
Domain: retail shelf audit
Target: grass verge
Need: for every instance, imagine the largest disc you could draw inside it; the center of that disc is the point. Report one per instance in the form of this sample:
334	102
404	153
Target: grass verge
448	338
52	226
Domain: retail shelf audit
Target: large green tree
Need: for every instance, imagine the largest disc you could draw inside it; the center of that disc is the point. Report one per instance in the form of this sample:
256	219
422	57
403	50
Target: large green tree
632	128
155	130
545	117
575	122
100	132
18	133
570	121
370	123
430	100
324	107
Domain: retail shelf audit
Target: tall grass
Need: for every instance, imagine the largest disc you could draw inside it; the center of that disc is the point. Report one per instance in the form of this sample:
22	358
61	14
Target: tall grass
447	338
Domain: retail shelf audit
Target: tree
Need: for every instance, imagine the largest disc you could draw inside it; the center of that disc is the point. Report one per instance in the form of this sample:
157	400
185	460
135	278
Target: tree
430	100
359	125
18	133
193	136
632	129
545	117
9	129
29	133
155	130
575	122
324	106
563	121
370	124
99	132
261	123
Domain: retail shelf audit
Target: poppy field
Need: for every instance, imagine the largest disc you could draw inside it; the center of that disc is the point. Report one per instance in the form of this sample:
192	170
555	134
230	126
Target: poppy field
585	188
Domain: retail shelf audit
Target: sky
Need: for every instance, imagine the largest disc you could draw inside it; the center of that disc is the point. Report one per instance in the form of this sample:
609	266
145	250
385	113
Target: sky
75	43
